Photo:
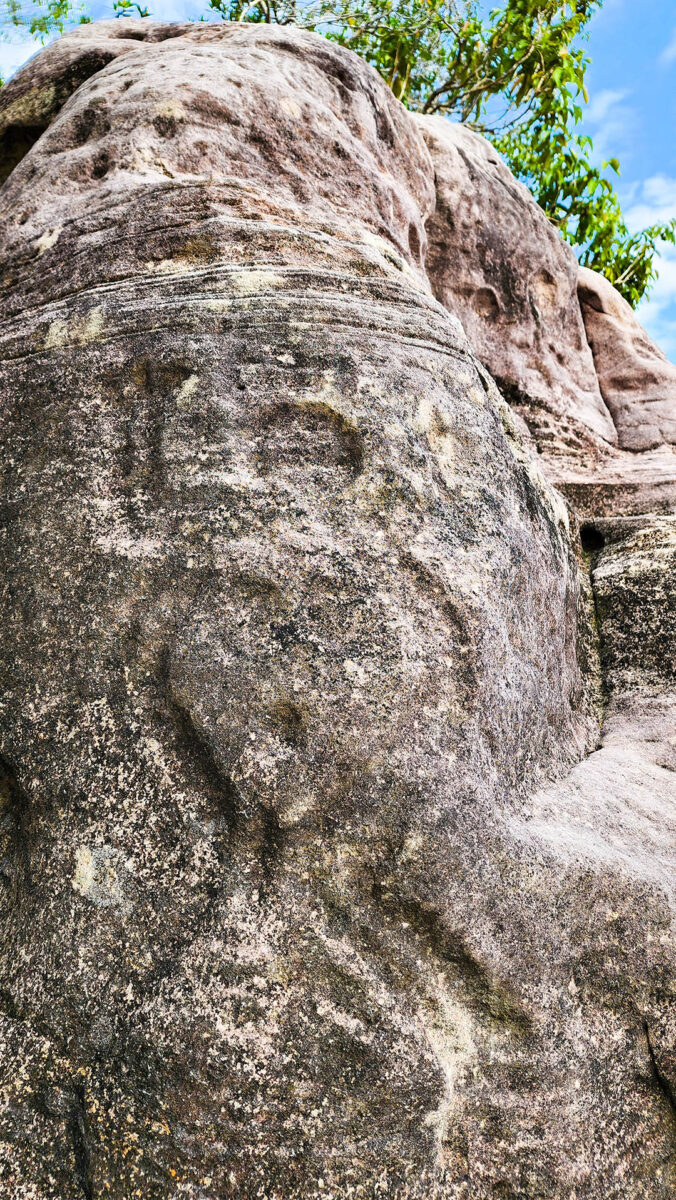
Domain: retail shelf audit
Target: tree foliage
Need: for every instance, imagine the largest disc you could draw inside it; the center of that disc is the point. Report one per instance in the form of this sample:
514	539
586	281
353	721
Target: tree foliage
39	19
515	74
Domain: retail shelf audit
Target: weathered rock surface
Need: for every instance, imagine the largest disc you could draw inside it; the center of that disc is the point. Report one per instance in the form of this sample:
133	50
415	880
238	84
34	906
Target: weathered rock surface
38	93
320	875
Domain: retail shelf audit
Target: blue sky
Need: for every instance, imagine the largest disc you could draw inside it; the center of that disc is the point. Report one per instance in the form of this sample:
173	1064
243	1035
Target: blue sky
631	115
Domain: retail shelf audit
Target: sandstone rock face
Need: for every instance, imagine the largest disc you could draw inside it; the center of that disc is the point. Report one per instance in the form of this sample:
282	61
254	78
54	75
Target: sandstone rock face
158	124
320	875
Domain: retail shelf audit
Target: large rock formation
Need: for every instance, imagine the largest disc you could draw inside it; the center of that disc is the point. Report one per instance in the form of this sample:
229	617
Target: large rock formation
321	873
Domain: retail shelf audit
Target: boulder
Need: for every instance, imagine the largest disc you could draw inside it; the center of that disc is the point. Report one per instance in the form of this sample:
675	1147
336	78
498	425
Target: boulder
320	874
341	158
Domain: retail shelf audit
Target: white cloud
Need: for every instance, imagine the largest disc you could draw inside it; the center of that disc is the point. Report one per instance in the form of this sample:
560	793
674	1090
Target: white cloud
15	49
603	103
658	313
611	124
668	55
652	201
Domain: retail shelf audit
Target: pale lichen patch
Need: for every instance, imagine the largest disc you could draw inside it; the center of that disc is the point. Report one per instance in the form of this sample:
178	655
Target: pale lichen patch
100	874
255	280
188	388
76	332
449	1030
48	239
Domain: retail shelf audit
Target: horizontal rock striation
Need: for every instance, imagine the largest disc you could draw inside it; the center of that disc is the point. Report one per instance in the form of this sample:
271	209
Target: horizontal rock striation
336	760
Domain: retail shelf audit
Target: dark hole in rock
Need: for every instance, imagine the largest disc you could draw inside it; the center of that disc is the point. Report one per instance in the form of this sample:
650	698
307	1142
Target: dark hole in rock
14	857
290	720
15	143
100	165
591	538
165	125
93	122
486	304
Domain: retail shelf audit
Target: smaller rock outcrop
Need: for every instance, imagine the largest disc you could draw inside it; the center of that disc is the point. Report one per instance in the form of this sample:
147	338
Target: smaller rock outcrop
583	378
637	381
496	262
